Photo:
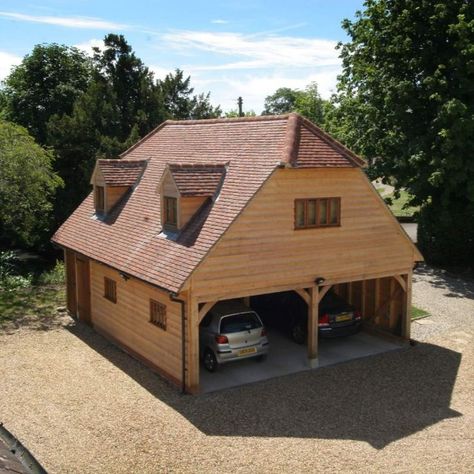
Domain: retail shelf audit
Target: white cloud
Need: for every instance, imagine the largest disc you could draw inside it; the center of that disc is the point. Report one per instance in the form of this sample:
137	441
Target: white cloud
68	22
160	72
88	45
257	51
219	21
7	61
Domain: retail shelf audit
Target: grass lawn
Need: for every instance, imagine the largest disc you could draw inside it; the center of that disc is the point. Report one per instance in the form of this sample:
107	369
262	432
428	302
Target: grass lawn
40	302
397	205
417	313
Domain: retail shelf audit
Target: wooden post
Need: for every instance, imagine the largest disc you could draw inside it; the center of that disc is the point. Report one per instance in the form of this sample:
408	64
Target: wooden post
313	327
362	304
247	301
406	313
192	349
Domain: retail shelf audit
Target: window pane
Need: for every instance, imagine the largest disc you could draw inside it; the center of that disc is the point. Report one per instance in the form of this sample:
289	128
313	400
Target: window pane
334	212
322	214
311	219
171	206
299	213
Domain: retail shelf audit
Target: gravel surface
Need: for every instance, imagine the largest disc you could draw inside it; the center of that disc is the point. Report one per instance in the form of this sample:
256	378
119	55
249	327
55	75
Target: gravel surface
81	405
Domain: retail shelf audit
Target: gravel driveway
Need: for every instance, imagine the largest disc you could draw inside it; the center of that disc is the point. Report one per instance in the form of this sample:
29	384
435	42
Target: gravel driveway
81	405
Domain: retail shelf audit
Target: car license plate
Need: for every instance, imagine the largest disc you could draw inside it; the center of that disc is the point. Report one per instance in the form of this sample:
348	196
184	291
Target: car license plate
248	350
343	317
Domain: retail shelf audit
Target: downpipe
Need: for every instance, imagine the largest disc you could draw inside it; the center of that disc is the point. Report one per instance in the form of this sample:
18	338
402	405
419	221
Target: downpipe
173	297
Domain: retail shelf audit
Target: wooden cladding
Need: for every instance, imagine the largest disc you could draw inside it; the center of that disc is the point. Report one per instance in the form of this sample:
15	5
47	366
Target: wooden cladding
158	314
99	198
170	211
110	289
317	212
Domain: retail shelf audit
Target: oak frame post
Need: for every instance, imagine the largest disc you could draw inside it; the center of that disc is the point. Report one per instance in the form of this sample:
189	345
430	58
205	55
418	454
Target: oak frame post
313	327
192	341
406	313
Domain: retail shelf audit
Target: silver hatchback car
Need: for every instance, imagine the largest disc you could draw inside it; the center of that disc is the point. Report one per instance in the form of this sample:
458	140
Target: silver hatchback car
231	331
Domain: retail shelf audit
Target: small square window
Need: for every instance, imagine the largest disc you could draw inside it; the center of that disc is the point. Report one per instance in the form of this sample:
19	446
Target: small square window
110	290
158	314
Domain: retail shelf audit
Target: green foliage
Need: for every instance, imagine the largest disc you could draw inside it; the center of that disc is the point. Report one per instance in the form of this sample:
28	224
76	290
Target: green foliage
55	276
446	234
406	102
179	102
235	113
27	186
307	103
47	82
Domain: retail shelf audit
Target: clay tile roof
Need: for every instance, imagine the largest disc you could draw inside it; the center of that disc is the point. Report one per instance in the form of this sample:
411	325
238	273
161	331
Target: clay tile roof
121	172
197	179
249	149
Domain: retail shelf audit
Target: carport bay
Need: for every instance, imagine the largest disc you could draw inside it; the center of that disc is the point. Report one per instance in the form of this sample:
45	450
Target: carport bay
383	302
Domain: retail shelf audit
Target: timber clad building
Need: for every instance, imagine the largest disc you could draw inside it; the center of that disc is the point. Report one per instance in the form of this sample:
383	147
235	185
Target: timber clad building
202	211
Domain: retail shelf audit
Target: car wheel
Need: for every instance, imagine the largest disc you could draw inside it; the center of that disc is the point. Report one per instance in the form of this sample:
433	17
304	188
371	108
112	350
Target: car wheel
210	361
298	333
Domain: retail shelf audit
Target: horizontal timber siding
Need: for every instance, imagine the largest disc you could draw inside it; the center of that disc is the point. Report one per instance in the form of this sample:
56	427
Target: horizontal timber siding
127	321
262	250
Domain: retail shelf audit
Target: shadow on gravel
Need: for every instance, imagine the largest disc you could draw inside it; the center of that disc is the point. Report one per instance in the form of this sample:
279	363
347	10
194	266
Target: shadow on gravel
456	285
379	399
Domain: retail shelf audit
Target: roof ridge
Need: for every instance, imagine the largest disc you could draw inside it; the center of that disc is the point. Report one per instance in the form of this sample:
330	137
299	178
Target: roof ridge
350	155
256	118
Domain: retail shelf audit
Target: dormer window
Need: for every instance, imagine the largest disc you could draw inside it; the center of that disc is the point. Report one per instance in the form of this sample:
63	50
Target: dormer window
170	211
112	179
99	195
185	188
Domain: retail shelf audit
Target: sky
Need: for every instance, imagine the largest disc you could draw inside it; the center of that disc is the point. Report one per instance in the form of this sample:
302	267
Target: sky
232	48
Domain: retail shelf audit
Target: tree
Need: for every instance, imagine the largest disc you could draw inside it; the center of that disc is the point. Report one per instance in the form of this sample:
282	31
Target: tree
307	102
406	102
27	187
121	104
234	113
47	82
179	102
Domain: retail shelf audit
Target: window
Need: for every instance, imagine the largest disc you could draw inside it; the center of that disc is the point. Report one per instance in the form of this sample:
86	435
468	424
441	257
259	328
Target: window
158	314
170	211
99	199
110	290
318	212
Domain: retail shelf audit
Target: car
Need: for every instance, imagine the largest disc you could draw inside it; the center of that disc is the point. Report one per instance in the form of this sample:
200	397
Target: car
288	312
231	331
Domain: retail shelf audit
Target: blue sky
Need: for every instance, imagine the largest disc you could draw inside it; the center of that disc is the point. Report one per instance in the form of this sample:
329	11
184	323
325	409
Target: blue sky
231	48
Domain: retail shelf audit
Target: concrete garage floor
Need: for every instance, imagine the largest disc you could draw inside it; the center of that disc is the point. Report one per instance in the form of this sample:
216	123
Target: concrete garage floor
286	357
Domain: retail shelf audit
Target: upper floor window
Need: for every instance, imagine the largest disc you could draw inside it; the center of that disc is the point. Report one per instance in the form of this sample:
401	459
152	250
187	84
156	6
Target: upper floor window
99	198
171	211
317	212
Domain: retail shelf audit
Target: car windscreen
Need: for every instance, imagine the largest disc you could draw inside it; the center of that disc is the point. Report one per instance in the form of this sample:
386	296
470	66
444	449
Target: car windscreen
239	322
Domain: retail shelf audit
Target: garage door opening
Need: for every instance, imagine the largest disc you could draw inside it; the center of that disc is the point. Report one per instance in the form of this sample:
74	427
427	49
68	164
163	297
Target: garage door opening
284	315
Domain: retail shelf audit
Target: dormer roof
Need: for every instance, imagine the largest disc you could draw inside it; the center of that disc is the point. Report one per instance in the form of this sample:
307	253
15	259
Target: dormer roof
197	179
120	172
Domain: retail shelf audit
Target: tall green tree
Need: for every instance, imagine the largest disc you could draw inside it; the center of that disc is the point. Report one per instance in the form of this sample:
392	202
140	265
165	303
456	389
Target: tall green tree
406	102
47	82
307	102
179	101
27	188
121	104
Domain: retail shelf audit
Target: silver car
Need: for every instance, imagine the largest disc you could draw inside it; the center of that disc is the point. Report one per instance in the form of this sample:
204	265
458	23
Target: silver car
231	331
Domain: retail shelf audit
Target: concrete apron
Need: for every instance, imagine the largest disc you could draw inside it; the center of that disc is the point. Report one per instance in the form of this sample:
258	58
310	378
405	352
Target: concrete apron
286	357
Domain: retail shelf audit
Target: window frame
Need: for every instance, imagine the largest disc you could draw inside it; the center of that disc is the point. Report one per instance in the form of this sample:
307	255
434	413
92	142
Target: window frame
110	290
158	314
166	222
99	198
330	201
